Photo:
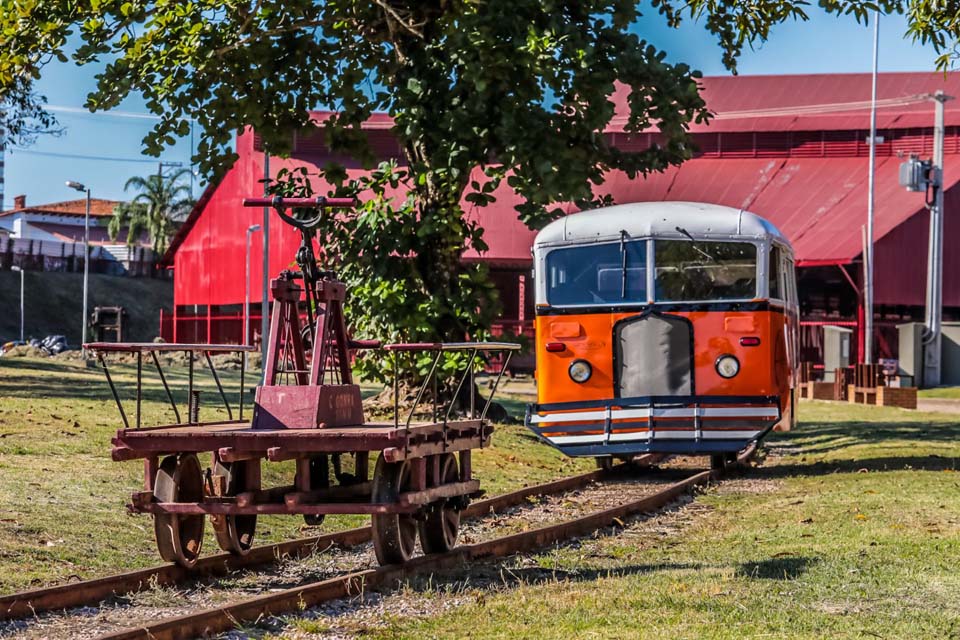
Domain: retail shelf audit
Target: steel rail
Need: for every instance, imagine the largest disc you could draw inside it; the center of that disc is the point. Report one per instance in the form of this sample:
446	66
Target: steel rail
76	594
223	618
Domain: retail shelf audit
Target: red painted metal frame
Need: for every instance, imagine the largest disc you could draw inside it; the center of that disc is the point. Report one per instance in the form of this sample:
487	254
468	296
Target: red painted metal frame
319	415
144	347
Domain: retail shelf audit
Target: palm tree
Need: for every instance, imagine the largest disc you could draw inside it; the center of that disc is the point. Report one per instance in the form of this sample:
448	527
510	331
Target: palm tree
160	202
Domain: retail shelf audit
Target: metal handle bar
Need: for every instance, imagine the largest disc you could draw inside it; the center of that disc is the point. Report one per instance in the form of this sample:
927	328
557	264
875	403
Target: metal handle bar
302	203
320	203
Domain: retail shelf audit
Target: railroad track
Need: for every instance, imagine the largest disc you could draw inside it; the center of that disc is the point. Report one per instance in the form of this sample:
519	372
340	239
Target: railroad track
223	618
87	592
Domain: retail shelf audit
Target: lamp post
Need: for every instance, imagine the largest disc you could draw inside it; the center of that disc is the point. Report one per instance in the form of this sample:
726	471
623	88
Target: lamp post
86	260
868	245
16	268
246	288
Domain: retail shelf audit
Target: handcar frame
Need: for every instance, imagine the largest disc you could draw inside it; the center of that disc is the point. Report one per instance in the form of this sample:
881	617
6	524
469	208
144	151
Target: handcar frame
307	410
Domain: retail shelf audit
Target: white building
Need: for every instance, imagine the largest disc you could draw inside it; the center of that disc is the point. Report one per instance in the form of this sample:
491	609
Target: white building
54	229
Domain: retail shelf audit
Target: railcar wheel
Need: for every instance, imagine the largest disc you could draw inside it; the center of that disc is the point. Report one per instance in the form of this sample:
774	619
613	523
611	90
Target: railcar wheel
179	536
319	479
441	528
234	533
394	534
723	461
604	462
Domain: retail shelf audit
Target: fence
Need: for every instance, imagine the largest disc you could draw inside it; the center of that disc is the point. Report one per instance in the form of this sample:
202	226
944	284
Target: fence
47	255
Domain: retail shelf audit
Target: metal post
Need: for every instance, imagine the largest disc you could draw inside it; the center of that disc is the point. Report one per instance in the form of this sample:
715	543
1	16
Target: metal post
22	305
22	272
932	339
868	245
265	301
86	270
246	290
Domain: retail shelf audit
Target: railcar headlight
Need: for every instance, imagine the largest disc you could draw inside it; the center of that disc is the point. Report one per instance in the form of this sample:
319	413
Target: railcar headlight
727	366
580	371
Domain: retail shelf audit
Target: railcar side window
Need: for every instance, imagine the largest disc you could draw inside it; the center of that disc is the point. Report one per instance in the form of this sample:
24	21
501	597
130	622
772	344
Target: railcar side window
702	270
773	274
792	282
598	274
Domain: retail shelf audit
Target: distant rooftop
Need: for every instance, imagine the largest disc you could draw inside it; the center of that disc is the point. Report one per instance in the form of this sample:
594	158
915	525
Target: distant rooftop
99	208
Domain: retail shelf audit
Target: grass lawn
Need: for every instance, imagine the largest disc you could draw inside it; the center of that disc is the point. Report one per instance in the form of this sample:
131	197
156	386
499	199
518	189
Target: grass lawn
62	499
950	393
849	530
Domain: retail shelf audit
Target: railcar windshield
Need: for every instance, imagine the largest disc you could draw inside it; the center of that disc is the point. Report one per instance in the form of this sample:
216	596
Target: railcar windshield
694	270
598	274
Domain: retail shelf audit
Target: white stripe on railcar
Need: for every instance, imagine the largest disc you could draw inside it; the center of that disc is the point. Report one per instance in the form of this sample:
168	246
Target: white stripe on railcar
684	412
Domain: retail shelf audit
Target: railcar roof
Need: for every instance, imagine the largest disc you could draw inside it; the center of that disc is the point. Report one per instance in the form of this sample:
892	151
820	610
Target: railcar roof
658	219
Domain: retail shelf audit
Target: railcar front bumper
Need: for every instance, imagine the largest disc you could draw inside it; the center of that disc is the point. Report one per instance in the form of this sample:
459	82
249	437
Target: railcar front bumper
668	424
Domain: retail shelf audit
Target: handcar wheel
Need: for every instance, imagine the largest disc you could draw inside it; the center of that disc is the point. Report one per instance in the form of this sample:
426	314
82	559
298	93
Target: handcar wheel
394	534
440	529
319	479
179	536
234	533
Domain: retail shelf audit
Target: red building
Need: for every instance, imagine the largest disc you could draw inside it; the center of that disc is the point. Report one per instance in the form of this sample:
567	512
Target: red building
793	149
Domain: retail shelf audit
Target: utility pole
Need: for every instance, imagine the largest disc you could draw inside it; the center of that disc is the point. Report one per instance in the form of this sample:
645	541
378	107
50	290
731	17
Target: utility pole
926	176
868	245
3	146
932	339
265	301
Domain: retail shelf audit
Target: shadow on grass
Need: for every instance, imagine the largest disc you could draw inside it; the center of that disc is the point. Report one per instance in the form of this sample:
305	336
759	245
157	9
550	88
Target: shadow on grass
862	465
835	436
789	568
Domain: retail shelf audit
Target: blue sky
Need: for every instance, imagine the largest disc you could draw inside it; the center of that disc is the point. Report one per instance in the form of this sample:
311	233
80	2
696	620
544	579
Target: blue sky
103	150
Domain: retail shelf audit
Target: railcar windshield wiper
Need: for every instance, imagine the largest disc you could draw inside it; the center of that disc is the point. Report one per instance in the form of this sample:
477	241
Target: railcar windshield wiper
694	244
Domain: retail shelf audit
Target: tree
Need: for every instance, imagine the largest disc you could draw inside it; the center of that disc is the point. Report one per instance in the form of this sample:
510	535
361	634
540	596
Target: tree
480	92
160	202
22	114
131	216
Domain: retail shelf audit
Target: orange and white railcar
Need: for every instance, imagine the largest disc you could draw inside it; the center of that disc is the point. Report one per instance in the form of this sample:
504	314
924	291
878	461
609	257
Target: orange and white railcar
663	327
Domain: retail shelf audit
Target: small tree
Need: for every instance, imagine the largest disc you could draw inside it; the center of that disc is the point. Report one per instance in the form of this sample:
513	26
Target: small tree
160	202
131	216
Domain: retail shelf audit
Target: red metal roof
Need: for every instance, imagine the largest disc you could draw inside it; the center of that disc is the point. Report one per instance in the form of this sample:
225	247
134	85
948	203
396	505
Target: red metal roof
811	185
802	102
818	102
819	204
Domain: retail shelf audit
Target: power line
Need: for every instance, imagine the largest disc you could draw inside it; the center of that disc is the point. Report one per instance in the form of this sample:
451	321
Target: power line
81	111
86	112
76	156
814	109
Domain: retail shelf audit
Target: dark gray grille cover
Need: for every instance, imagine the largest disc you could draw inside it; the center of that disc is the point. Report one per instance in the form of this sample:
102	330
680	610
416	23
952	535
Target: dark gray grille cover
654	354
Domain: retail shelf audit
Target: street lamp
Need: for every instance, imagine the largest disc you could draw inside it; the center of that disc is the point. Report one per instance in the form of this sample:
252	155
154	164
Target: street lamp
86	260
16	268
246	286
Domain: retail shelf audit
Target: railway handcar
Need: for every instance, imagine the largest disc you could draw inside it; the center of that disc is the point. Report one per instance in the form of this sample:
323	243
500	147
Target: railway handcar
663	327
307	410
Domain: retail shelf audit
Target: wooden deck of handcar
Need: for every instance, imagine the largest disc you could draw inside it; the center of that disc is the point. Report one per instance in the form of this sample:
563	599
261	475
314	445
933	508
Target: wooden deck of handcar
239	440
